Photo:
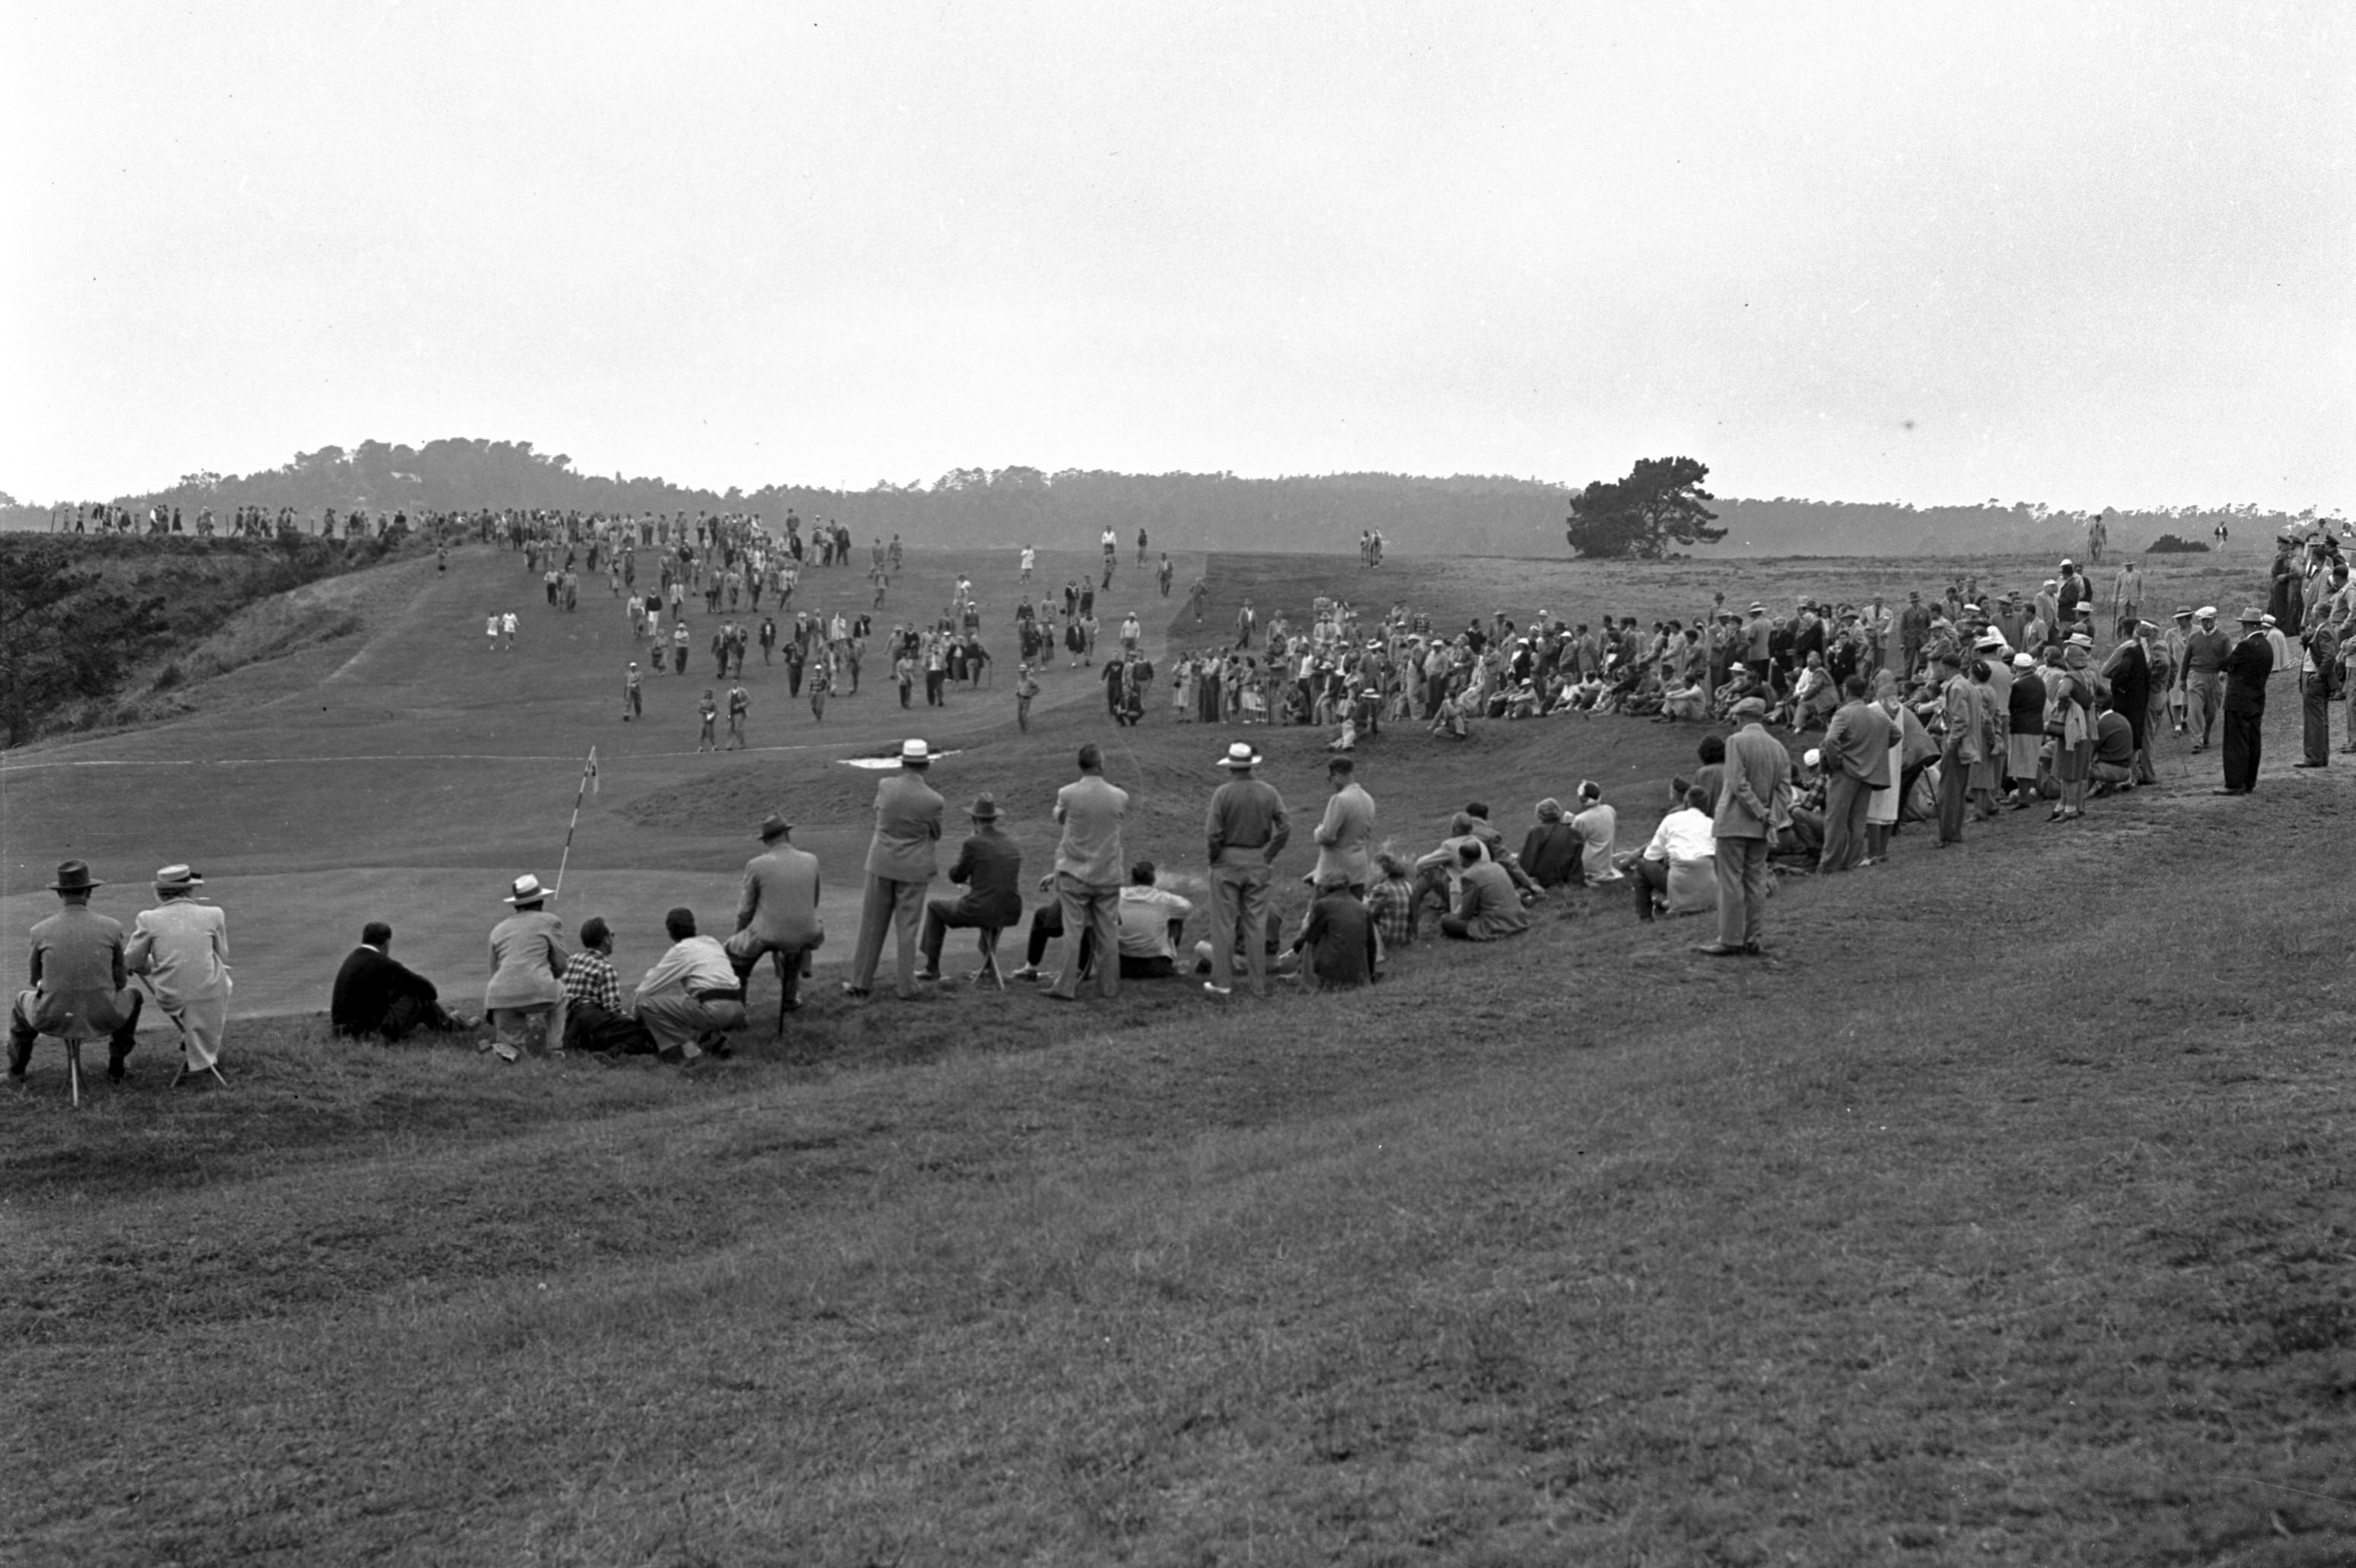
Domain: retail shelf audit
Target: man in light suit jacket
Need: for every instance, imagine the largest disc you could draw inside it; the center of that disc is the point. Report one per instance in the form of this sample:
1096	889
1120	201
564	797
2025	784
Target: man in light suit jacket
776	908
1345	839
1758	769
900	866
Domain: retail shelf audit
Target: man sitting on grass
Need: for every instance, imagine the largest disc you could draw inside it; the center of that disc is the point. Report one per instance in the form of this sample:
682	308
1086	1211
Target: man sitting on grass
1487	907
376	994
690	997
1337	941
593	1019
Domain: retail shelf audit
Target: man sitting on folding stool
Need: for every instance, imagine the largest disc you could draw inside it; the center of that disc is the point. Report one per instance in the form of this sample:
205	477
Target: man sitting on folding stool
990	868
79	980
180	948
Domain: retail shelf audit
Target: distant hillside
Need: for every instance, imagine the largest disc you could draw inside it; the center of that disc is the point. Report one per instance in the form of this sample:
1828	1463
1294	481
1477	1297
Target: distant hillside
1462	514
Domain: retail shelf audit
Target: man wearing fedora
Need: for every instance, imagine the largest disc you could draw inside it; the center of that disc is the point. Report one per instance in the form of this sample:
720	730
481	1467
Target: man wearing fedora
79	980
900	864
524	1002
1246	829
776	908
2246	670
990	868
181	949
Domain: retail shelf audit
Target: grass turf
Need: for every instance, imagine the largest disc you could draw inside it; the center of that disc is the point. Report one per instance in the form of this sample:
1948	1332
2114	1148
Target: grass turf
2004	1214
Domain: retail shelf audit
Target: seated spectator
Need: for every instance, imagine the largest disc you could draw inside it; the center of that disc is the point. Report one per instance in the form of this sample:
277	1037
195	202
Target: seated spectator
1553	850
1337	938
1688	700
1390	901
690	997
990	868
1710	777
777	910
1279	956
1151	920
1487	907
80	985
1678	869
1597	827
524	1003
593	1019
2114	765
375	994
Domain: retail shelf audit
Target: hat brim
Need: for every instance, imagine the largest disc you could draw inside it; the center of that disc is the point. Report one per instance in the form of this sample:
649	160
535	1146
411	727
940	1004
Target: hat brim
1251	762
75	887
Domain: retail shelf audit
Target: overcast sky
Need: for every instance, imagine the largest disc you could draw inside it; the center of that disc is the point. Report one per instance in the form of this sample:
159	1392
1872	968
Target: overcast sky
2085	254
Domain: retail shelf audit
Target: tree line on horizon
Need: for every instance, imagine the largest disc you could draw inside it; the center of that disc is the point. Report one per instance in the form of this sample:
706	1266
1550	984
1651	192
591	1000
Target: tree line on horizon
1417	515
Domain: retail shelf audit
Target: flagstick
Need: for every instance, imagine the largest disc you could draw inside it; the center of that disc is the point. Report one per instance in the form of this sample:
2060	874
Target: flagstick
588	776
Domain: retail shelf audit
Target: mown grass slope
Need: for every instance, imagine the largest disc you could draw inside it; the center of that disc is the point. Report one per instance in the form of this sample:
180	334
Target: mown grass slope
1937	1238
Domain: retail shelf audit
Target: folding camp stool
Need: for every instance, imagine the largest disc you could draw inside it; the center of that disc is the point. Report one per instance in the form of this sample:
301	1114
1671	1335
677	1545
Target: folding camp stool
988	942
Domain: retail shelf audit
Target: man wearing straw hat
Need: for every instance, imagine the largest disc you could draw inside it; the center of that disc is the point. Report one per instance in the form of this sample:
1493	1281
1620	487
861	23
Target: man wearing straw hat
900	864
524	1002
79	978
777	909
1246	829
181	948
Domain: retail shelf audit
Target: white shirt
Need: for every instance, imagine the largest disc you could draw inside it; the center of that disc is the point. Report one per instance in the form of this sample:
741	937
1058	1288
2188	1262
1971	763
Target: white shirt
1684	835
1145	917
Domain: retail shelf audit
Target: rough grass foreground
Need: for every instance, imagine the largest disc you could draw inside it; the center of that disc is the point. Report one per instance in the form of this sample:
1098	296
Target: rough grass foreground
2005	1214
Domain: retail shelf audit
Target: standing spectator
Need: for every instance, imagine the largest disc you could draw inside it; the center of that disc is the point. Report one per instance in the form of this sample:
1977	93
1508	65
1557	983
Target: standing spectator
1087	875
1247	831
1347	831
1757	773
900	864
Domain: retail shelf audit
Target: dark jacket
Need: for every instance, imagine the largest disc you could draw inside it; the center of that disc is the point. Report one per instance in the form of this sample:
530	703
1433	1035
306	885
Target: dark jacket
1550	855
991	868
367	986
2246	668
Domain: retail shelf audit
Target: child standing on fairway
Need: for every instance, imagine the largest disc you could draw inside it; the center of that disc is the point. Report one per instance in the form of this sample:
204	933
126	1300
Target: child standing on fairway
491	633
708	715
821	682
739	700
630	704
1025	688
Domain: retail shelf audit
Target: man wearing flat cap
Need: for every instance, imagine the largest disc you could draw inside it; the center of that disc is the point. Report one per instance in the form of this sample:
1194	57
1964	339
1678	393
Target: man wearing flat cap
78	979
180	948
2205	652
777	909
901	860
990	868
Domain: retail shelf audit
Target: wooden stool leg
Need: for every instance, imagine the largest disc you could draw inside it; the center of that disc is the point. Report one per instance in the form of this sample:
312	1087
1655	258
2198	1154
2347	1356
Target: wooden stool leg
73	1071
990	957
777	962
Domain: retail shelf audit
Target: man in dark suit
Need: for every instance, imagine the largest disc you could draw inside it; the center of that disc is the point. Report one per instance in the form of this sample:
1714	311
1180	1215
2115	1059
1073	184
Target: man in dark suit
375	994
2246	668
990	868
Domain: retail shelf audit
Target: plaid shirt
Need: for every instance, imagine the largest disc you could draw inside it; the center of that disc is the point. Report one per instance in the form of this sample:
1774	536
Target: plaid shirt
589	979
1388	902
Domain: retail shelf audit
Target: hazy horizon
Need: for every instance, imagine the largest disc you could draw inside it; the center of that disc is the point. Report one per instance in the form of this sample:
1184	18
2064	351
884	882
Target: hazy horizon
2088	255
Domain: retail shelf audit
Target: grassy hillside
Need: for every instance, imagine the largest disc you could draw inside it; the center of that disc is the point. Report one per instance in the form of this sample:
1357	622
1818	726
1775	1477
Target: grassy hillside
2006	1214
97	631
